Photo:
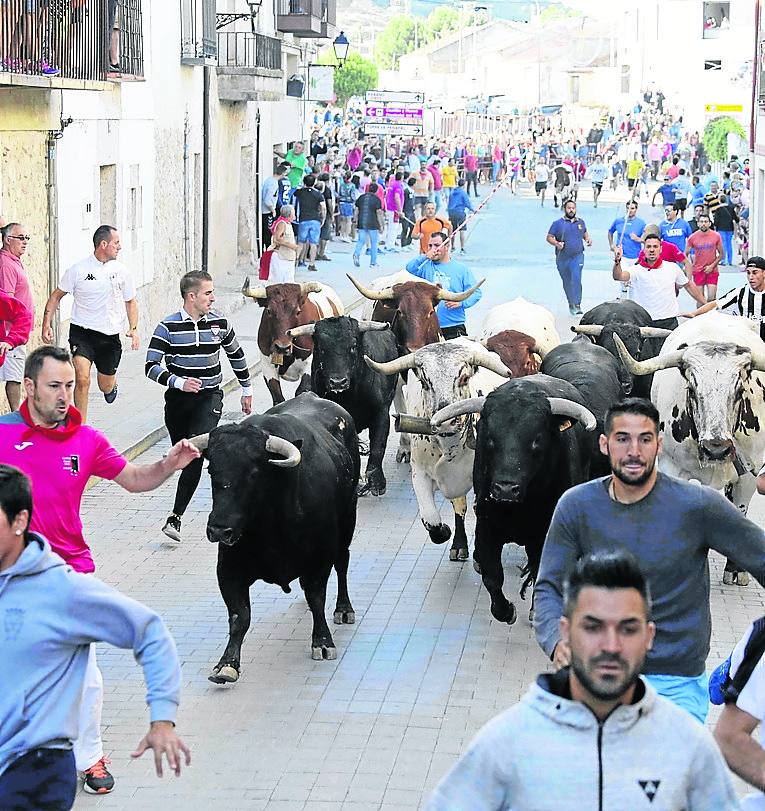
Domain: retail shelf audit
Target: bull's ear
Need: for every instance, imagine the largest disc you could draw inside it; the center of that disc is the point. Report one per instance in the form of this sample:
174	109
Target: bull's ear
298	443
565	423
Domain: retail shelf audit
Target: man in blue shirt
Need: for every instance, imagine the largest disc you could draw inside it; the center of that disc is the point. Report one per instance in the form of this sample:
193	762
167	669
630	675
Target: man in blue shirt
569	236
437	267
457	205
674	229
667	192
626	233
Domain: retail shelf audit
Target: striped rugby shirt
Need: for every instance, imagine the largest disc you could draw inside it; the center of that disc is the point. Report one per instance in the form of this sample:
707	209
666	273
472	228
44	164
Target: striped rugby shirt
192	349
746	302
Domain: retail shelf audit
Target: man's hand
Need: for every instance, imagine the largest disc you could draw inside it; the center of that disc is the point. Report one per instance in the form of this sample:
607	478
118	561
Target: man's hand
163	740
635	237
247	404
588	242
134	340
192	385
617	255
47	335
561	655
181	454
433	253
560	245
4	347
453	305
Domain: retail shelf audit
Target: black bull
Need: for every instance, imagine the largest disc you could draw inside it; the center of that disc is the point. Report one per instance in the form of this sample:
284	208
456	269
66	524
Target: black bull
526	457
284	507
340	374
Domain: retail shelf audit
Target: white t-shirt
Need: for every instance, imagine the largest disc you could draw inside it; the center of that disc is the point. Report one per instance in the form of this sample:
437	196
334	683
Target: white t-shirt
655	289
542	172
99	290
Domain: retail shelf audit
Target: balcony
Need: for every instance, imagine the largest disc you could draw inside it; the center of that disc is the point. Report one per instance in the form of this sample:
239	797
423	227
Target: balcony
306	18
249	67
198	43
79	47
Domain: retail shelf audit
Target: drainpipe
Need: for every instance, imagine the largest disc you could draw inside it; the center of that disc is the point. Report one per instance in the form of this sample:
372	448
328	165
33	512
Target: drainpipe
258	217
187	196
52	195
755	76
206	137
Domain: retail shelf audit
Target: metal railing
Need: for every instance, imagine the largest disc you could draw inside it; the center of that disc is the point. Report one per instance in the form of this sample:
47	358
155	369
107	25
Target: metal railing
241	49
198	40
316	8
74	40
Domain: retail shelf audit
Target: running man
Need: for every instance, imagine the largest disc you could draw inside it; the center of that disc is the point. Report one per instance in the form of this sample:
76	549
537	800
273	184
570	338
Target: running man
597	174
541	177
568	236
100	286
707	249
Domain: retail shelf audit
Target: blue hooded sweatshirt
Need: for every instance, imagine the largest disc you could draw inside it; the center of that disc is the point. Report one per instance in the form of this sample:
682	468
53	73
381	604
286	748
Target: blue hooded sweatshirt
49	615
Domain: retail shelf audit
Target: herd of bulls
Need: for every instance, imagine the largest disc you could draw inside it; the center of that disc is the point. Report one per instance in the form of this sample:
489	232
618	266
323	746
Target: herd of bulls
513	414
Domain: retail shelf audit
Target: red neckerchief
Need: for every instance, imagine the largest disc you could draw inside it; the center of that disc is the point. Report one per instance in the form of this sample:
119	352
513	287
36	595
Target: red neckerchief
644	263
70	425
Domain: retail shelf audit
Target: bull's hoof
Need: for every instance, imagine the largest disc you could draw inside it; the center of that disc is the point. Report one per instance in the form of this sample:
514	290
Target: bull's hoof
344	617
440	534
372	488
477	566
506	613
742	578
224	675
323	652
363	448
460	554
403	455
531	615
729	578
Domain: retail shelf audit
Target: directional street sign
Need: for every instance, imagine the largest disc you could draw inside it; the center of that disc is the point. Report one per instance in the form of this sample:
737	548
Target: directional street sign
393	129
394	96
393	112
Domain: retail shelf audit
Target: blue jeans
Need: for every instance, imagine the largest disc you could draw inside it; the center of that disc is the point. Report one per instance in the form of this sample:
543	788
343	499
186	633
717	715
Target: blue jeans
437	200
495	167
690	693
570	270
373	235
727	241
40	778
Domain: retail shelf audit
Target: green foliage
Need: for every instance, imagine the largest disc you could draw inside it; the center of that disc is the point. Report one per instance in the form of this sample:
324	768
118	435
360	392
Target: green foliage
354	78
715	136
557	12
395	40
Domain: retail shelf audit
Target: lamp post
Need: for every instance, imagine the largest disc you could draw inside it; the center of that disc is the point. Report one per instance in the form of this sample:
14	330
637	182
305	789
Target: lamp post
340	46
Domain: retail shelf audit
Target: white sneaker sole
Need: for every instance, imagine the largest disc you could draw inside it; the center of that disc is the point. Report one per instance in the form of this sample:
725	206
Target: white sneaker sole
172	534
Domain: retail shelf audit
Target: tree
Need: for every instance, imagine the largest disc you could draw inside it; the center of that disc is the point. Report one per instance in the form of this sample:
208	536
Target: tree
715	136
354	78
395	40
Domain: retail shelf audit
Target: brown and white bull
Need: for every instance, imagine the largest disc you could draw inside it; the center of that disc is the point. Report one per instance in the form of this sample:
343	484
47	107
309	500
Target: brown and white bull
408	304
285	307
708	385
524	317
442	456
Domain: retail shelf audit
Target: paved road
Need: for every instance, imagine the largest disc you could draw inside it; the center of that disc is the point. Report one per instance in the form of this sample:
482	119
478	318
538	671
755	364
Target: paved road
423	668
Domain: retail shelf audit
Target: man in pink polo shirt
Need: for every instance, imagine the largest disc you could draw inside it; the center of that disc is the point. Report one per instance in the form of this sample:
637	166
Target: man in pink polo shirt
13	280
47	440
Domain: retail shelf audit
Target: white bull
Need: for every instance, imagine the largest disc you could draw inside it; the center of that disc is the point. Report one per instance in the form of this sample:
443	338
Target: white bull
708	387
445	374
523	316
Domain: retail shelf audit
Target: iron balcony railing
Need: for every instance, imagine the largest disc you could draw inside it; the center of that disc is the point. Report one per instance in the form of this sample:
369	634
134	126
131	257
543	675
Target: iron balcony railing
198	40
241	49
79	39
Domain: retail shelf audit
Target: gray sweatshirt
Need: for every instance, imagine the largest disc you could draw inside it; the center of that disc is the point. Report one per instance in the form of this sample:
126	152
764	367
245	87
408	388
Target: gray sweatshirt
670	532
549	753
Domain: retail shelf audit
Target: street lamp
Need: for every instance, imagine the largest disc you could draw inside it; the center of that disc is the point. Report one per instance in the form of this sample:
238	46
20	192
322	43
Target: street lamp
340	46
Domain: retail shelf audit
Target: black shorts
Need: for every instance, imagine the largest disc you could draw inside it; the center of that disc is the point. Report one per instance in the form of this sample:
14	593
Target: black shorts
681	204
450	333
105	351
540	185
631	182
456	220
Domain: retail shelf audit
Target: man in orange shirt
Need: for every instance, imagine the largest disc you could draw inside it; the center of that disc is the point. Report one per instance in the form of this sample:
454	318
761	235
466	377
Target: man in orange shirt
428	225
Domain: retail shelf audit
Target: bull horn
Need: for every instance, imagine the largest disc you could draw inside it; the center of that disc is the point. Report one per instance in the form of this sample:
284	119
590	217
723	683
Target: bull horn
373	295
562	407
310	287
654	332
367	326
200	442
447	295
472	405
758	360
391	367
537	350
301	331
289	453
588	329
491	361
647	367
256	292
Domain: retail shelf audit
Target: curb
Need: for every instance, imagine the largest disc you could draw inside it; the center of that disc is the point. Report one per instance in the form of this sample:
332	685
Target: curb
139	447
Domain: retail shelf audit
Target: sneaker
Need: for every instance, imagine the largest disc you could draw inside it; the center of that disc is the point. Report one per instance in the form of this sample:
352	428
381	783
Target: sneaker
374	266
111	396
578	309
172	527
48	70
323	258
356	260
98	780
313	268
572	309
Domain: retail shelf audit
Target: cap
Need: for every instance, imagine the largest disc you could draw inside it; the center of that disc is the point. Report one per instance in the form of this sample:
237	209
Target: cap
756	262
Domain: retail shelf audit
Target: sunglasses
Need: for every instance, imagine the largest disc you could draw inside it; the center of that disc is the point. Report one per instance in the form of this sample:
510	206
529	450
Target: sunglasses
25	238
